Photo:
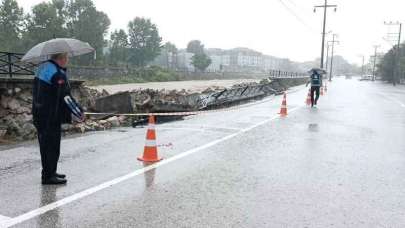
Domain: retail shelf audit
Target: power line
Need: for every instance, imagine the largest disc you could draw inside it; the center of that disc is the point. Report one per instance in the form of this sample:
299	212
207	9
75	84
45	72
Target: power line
293	3
296	15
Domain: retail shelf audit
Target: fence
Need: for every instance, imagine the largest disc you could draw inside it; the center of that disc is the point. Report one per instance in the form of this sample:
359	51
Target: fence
11	65
286	74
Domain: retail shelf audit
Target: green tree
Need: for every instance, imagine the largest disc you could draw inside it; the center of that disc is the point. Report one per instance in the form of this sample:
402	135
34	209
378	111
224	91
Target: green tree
170	53
118	48
201	61
195	47
85	22
144	41
68	18
168	56
46	21
11	22
389	68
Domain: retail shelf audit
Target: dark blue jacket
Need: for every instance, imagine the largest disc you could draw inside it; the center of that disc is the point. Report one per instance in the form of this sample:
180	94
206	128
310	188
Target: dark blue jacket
316	79
52	100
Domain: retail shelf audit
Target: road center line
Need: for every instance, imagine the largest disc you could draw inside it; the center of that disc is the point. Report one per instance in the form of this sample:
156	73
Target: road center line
92	190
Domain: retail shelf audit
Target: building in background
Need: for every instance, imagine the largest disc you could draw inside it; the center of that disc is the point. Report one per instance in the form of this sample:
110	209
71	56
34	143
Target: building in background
184	61
239	60
220	59
271	63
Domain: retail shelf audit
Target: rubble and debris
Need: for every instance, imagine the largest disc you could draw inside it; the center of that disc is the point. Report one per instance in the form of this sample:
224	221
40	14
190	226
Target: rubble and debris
16	122
16	119
149	100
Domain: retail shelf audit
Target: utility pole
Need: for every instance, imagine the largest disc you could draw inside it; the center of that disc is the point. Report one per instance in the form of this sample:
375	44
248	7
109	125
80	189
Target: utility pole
333	52
399	53
327	55
325	7
375	60
397	44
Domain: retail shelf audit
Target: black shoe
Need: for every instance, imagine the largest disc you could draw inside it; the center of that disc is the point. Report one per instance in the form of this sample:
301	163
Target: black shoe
63	176
58	175
54	181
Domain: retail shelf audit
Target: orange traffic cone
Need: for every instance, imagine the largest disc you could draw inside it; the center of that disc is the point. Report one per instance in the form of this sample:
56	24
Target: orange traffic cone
322	91
283	111
308	101
150	153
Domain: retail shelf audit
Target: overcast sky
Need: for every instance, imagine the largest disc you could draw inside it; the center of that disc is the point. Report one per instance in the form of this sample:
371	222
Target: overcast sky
291	30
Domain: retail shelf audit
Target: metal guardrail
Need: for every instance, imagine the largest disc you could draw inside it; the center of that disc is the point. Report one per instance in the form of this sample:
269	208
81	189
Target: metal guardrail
286	74
10	64
235	95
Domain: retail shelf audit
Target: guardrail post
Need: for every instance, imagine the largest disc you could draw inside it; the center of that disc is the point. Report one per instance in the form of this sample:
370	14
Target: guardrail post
10	73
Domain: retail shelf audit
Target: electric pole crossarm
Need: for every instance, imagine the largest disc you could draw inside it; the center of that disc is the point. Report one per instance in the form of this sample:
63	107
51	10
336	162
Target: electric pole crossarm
323	6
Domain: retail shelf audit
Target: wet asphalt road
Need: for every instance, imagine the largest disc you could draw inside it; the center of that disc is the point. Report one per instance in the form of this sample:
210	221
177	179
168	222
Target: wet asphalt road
341	165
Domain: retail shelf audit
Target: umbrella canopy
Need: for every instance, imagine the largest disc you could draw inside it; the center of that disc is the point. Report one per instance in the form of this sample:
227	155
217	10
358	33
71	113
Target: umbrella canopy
318	70
43	51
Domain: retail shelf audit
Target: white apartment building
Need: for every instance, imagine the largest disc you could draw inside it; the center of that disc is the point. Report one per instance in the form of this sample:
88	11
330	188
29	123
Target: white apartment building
184	60
271	63
218	62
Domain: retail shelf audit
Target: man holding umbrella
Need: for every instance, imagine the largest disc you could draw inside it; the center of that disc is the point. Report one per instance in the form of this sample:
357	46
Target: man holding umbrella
53	103
316	82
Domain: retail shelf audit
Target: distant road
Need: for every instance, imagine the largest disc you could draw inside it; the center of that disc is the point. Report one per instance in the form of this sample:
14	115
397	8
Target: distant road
195	86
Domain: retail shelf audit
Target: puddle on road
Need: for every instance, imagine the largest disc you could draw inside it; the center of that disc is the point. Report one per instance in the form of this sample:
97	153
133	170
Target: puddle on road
122	131
313	127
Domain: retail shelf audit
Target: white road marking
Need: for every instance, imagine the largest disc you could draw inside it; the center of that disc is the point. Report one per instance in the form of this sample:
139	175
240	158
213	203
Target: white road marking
36	212
3	220
393	99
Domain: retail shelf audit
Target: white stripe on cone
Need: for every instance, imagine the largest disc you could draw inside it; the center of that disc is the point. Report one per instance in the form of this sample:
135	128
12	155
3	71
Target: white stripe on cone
150	143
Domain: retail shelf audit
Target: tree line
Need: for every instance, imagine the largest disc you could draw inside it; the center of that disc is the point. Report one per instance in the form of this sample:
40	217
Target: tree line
392	65
135	46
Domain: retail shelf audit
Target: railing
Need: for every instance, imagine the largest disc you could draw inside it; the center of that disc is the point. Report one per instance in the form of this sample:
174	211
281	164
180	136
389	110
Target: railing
286	74
11	65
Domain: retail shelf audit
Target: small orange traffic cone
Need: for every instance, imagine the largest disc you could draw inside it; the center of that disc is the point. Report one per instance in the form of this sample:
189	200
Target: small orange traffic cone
150	153
308	101
283	110
322	91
